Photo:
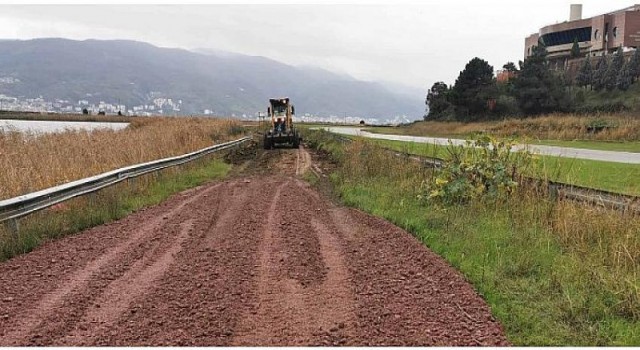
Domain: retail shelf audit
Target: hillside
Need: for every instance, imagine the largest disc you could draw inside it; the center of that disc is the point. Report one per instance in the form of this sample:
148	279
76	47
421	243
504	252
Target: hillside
134	73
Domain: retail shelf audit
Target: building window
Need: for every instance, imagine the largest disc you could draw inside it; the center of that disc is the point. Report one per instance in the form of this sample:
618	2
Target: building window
567	36
597	34
615	32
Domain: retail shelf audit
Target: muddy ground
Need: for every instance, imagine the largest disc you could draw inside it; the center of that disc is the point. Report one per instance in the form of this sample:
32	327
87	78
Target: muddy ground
260	259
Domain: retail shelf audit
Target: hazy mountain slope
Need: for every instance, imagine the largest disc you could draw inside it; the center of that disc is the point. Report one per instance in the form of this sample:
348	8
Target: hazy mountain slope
128	72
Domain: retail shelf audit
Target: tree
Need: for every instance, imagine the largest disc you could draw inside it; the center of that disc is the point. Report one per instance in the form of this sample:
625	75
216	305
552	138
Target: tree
634	65
625	79
575	49
437	101
510	67
585	74
470	92
536	88
85	111
599	75
617	63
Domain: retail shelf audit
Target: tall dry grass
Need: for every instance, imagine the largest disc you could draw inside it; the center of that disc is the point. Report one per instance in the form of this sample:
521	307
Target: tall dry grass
550	127
31	162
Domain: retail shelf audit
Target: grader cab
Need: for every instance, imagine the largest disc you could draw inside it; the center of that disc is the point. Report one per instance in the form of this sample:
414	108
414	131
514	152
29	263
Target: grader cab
281	131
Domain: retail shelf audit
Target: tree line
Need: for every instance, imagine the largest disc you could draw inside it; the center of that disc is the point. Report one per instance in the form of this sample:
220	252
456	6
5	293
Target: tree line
531	89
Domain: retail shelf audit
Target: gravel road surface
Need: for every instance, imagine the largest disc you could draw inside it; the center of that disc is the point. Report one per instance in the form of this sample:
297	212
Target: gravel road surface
259	259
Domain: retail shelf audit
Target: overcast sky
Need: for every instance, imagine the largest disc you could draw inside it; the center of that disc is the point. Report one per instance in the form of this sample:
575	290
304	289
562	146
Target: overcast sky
414	44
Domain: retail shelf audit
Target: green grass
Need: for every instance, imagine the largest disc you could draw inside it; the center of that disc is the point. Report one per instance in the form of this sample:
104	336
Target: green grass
403	130
632	146
608	176
553	273
541	295
107	205
614	177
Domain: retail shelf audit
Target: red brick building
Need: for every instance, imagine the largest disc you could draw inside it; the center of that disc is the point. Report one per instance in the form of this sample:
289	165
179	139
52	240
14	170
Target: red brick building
599	35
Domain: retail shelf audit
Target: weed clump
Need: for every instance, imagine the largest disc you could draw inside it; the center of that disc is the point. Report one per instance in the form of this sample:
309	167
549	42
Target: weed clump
481	168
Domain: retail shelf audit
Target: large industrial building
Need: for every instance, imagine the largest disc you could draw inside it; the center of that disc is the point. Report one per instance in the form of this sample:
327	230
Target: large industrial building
599	35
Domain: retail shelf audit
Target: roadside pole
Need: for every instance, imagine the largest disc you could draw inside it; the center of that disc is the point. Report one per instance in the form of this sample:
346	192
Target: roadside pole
13	226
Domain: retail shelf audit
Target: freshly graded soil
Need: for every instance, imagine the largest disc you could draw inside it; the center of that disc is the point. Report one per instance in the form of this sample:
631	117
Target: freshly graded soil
260	259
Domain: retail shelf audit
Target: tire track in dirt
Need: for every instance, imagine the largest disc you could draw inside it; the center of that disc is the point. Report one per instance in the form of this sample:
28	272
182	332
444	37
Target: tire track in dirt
303	161
25	279
78	284
303	291
406	294
200	297
117	298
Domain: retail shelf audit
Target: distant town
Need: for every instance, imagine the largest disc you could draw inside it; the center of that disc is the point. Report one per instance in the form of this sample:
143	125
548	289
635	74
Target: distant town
156	106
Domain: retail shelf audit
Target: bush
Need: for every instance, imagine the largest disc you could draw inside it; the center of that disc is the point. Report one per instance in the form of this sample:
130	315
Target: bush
598	125
605	107
507	106
482	168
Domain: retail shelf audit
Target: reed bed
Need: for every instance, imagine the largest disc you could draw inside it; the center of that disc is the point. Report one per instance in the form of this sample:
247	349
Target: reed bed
32	162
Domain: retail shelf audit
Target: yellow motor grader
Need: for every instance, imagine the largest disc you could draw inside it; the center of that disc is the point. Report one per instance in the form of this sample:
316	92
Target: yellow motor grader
281	131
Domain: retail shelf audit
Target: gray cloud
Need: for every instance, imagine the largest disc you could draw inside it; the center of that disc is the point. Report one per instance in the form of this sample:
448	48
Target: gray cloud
414	44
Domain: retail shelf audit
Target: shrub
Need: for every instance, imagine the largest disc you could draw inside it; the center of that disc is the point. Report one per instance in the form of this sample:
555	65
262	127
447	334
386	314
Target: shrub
482	168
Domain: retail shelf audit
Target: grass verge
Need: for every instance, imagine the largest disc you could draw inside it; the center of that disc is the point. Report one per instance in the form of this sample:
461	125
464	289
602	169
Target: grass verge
633	147
107	205
608	176
554	273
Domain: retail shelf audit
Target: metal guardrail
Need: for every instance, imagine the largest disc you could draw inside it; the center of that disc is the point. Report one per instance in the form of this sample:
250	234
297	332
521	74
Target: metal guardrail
15	208
561	190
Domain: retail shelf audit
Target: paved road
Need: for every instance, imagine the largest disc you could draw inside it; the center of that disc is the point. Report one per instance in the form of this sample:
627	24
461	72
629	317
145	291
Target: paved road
260	259
607	156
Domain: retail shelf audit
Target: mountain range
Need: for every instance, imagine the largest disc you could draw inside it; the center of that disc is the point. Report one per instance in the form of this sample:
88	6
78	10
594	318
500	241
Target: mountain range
133	73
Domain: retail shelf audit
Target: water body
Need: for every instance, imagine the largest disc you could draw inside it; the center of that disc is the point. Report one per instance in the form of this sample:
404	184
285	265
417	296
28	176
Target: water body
42	126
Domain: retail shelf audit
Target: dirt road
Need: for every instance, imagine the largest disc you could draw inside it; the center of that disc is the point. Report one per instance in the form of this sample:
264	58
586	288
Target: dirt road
260	259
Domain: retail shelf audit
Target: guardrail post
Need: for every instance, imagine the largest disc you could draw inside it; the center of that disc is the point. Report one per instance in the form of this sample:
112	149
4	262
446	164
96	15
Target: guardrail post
553	192
13	226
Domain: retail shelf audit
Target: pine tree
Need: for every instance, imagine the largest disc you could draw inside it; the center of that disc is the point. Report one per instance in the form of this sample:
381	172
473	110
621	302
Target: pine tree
585	74
469	93
437	101
625	79
598	81
611	77
537	89
634	65
575	49
510	67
